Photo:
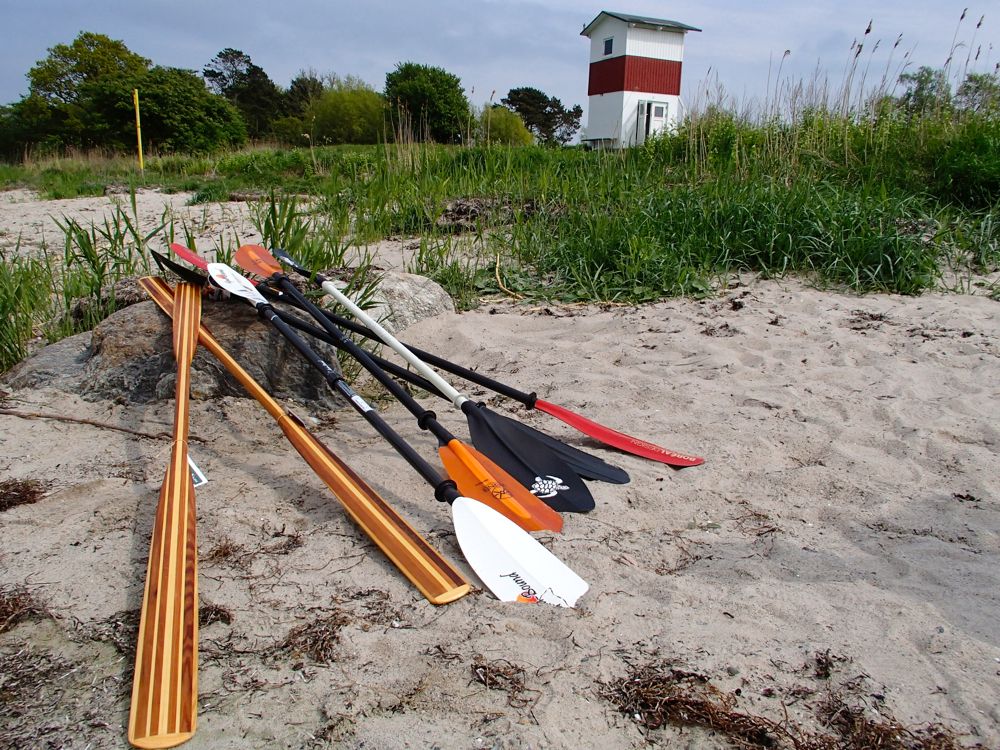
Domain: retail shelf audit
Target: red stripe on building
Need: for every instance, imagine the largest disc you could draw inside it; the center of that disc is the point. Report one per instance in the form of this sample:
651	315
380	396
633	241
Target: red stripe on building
630	73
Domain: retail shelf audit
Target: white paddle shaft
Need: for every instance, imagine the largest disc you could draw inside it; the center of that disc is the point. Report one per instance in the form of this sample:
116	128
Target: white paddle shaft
440	383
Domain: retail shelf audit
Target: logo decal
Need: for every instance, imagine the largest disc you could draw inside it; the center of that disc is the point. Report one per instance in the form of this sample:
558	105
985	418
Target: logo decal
547	487
528	594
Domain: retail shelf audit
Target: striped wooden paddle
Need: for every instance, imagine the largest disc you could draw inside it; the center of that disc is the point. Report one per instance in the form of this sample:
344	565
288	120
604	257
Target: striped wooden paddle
424	566
164	707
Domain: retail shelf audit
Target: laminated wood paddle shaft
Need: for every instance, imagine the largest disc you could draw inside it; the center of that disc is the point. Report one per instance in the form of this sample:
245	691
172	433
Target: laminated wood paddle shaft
164	707
433	576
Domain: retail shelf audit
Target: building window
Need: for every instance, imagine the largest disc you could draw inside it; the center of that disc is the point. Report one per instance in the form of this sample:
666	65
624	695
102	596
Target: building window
608	45
657	111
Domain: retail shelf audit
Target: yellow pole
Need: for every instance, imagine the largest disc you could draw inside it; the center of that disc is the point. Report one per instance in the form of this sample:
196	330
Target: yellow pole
138	127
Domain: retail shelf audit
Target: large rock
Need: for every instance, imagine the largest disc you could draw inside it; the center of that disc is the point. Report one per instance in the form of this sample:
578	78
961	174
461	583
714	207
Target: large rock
403	299
129	357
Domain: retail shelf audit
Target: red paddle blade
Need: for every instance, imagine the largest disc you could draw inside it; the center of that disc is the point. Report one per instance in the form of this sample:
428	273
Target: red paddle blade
189	255
618	439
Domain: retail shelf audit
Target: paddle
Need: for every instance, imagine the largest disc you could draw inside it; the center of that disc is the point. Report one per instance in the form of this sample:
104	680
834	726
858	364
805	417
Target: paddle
584	464
528	460
606	435
164	707
507	559
523	508
433	576
476	476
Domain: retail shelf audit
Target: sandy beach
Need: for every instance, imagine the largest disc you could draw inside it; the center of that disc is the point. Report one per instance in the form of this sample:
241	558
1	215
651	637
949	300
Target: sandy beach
840	543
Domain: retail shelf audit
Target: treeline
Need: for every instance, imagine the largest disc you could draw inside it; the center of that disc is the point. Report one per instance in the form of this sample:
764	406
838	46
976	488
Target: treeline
80	96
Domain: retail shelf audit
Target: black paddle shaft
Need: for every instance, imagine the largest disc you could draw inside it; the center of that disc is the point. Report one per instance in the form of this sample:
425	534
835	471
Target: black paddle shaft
444	489
426	418
528	399
584	464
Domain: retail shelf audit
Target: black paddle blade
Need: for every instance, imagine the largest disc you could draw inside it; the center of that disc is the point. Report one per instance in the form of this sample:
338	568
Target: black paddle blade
182	272
586	465
528	460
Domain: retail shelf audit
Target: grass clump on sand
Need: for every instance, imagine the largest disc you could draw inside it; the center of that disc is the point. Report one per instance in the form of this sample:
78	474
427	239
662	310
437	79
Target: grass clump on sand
656	695
15	492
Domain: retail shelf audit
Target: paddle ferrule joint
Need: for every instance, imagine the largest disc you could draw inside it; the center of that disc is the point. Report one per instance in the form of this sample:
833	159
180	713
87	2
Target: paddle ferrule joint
446	491
425	418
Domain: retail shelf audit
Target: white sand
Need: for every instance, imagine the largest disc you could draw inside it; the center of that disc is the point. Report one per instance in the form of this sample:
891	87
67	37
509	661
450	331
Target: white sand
849	503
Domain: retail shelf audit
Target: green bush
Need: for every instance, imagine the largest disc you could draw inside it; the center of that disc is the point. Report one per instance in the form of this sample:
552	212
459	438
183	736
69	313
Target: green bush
347	114
501	125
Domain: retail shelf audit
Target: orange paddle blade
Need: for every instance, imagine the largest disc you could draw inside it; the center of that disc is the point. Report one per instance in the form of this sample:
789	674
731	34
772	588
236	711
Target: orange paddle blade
164	707
481	479
257	260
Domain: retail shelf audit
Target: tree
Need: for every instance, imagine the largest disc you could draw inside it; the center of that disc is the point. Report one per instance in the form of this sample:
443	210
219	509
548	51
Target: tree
500	125
979	93
61	77
304	89
927	91
427	101
60	108
546	117
351	112
232	74
81	96
180	114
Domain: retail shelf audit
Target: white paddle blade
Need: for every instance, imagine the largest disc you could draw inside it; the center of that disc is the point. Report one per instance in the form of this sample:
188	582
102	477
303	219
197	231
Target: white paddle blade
234	283
512	564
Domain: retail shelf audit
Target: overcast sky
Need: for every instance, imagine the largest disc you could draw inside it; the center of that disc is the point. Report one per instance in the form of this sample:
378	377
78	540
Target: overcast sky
494	45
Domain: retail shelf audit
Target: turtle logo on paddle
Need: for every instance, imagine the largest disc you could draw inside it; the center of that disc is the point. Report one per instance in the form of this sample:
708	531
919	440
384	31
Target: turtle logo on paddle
548	486
528	594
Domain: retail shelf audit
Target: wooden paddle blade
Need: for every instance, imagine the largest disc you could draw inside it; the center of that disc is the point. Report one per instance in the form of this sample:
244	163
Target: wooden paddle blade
432	574
618	439
257	260
427	570
512	565
479	478
164	706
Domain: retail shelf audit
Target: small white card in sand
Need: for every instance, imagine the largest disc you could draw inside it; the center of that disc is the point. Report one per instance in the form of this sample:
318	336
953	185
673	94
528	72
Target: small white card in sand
198	478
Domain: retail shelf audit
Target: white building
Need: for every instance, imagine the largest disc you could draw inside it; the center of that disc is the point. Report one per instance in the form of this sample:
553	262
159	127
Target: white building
635	77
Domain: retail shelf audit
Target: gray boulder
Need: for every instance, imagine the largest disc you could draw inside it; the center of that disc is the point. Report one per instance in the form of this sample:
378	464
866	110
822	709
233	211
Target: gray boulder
403	299
129	357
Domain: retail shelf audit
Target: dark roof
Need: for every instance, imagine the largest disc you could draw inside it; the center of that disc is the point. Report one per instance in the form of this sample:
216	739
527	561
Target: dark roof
640	21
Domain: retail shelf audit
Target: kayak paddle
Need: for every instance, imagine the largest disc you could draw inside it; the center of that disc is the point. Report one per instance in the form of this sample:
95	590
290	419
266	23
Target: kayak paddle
433	576
513	565
584	464
474	474
527	460
164	706
606	435
503	492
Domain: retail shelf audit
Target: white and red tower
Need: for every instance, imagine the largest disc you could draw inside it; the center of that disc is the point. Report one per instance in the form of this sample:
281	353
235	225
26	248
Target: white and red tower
635	77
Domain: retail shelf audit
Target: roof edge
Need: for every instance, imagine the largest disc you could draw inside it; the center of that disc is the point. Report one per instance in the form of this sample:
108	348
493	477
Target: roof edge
642	21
